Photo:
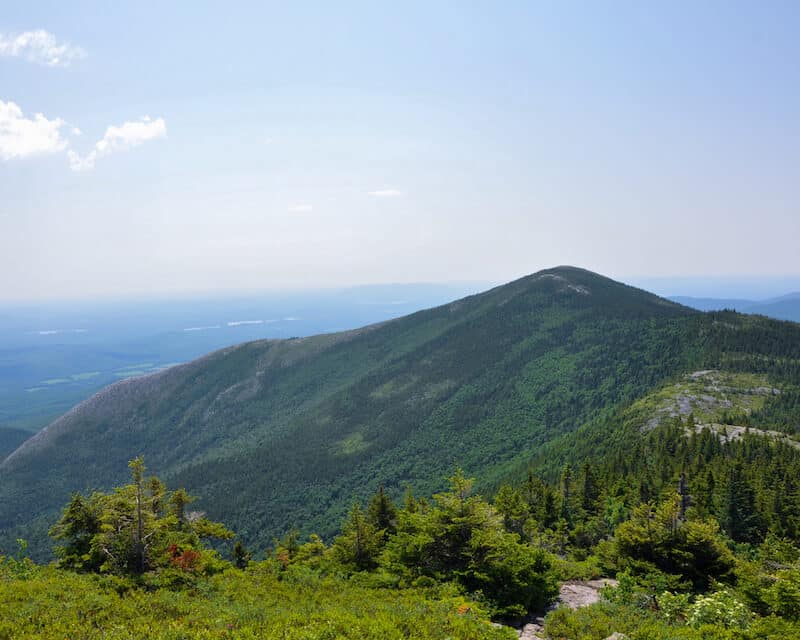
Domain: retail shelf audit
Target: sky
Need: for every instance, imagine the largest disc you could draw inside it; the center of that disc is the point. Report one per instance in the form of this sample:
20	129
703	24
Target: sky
169	148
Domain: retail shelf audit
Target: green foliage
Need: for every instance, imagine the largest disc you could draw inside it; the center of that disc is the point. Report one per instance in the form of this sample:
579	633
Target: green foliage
312	553
720	609
462	537
241	556
257	603
600	621
80	522
275	434
382	513
592	623
737	514
579	408
656	540
19	566
673	607
585	569
457	547
128	531
360	542
512	507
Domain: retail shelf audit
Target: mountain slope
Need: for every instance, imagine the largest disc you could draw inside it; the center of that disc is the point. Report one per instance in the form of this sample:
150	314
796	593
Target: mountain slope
275	434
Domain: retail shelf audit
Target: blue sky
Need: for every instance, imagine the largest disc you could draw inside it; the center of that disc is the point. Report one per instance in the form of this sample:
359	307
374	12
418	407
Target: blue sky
294	145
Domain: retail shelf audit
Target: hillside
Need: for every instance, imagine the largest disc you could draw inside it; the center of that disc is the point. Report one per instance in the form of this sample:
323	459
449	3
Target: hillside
46	370
283	433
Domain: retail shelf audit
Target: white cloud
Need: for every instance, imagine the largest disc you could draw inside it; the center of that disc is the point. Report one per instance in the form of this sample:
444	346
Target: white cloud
122	138
301	208
131	134
21	137
385	193
39	46
55	332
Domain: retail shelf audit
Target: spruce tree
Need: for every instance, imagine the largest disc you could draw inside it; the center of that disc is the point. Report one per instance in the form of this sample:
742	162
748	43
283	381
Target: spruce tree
79	524
241	556
359	544
590	490
512	507
566	494
382	513
738	516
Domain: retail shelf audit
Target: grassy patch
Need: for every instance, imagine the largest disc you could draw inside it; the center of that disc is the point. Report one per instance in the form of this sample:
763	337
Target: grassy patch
352	444
236	604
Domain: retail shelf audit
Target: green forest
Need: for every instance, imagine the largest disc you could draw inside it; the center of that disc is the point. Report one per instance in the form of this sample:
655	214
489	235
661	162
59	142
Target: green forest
280	434
443	475
704	549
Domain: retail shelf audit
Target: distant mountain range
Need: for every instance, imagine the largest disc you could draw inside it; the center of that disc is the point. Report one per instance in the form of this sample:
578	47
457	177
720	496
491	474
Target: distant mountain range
273	434
782	308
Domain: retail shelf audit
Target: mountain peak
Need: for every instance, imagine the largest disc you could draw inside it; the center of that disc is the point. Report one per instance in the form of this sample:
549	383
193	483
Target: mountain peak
593	292
312	422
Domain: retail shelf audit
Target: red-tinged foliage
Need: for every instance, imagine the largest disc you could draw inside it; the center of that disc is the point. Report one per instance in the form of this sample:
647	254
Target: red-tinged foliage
186	560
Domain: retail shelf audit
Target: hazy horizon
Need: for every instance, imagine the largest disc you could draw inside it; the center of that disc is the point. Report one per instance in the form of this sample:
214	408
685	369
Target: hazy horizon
753	288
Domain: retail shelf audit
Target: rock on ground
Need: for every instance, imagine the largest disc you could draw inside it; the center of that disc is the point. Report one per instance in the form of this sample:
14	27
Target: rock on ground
573	594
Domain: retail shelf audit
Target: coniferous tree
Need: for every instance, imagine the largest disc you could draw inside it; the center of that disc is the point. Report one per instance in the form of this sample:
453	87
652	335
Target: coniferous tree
566	494
287	547
156	491
178	501
119	532
549	509
654	539
512	507
462	536
590	491
241	556
359	544
140	547
737	514
382	513
685	498
410	504
79	524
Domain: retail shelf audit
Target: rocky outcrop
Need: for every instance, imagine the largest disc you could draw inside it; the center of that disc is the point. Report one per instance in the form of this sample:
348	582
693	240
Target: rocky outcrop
573	594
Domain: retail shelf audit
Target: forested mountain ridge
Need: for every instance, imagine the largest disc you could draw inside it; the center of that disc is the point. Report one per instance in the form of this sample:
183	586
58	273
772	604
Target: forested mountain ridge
276	434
